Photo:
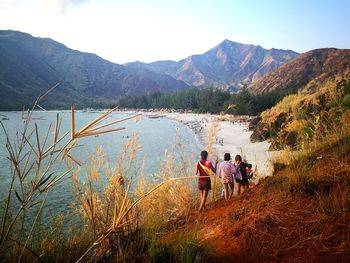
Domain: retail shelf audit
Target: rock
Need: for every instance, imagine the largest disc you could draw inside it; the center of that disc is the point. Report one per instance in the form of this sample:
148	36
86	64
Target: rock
253	123
278	166
284	139
275	145
260	133
264	131
291	139
280	121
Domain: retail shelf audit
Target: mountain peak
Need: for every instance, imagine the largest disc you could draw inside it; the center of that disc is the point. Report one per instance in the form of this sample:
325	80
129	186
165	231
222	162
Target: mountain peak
227	42
226	66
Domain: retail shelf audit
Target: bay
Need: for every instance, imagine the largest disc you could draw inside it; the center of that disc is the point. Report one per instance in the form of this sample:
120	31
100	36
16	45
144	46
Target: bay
155	135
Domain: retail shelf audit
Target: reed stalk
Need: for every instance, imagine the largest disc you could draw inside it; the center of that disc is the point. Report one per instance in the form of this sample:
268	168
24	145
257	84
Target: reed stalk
31	175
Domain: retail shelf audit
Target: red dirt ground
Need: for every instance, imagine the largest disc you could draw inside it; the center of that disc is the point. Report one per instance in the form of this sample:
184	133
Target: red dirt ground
271	223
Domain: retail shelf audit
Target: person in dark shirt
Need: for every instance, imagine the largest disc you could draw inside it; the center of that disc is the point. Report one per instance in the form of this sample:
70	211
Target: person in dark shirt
241	174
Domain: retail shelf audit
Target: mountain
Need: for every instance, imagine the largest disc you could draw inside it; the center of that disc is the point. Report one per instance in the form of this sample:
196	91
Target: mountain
30	66
308	69
321	106
227	66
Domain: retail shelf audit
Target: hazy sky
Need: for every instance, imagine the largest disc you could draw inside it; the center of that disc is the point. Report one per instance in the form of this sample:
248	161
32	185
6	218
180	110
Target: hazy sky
149	30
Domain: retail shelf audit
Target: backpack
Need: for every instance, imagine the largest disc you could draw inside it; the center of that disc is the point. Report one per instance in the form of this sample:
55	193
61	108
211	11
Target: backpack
238	174
249	171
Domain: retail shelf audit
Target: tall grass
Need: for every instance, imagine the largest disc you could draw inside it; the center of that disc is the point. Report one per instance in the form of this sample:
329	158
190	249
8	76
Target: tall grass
171	207
153	206
184	248
303	161
212	134
110	214
33	178
176	198
114	222
333	146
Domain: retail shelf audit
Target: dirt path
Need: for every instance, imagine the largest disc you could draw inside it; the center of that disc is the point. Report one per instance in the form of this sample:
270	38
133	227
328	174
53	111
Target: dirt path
271	224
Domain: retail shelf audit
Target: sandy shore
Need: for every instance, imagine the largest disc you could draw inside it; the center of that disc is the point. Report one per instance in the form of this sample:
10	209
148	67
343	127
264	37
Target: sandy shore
235	137
236	140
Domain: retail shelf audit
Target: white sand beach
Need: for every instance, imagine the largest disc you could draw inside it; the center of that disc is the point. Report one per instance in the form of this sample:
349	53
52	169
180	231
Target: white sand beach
236	140
235	137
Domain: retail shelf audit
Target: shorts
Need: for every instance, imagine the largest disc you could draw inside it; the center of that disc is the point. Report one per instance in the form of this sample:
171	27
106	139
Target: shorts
204	185
227	180
242	182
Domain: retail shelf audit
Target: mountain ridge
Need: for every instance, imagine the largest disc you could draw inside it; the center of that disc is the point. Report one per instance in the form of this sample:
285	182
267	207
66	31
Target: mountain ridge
29	66
228	66
315	65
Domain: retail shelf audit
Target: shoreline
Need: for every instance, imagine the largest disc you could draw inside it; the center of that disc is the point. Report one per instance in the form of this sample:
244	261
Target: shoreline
235	138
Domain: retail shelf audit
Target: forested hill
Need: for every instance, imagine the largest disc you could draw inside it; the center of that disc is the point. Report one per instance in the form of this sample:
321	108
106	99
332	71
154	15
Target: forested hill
30	66
206	100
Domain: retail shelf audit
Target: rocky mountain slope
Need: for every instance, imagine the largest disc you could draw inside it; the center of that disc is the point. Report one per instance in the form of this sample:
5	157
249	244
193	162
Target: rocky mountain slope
227	66
322	79
30	66
310	68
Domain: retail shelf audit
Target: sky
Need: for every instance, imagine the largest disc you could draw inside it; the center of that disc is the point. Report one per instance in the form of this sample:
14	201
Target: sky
151	30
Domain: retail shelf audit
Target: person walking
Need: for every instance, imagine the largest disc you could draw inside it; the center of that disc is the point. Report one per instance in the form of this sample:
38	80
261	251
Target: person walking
241	174
204	168
226	172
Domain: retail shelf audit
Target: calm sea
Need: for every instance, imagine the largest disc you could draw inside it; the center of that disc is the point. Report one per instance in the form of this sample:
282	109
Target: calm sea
156	135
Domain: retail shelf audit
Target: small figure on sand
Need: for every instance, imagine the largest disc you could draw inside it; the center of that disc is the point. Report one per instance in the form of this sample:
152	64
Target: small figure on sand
205	168
226	172
241	174
220	141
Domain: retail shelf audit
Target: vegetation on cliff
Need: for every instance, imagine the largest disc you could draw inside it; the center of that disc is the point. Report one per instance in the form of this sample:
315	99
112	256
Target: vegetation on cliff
307	115
303	210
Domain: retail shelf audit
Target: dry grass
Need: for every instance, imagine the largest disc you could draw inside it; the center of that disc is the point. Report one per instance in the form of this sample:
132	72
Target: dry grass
215	182
296	126
115	217
287	104
309	212
293	104
111	214
170	207
318	175
175	199
334	145
32	178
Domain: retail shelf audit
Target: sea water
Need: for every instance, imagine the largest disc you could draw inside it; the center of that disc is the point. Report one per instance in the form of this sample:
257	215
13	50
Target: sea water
155	135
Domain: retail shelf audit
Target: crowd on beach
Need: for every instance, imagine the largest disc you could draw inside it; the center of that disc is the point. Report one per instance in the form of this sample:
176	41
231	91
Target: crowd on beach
238	172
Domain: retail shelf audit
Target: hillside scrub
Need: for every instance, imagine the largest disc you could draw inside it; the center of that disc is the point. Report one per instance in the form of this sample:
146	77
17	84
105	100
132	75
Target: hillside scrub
302	211
301	117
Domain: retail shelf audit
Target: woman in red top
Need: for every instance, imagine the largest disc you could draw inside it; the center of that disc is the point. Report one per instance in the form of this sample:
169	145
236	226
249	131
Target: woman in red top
204	168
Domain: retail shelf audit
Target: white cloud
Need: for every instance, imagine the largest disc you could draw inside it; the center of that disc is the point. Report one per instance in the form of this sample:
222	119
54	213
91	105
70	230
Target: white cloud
62	5
51	6
117	34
